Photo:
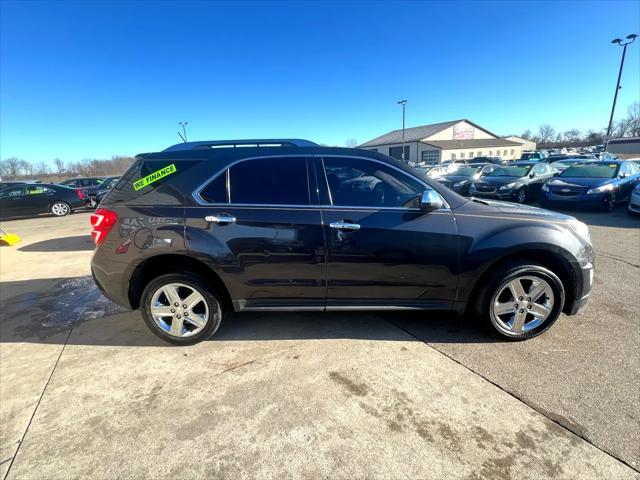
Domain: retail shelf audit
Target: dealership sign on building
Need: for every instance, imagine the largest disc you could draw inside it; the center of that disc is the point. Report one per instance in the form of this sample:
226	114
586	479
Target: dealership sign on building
462	132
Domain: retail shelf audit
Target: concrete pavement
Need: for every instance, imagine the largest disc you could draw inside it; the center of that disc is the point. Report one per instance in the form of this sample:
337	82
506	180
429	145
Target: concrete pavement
281	395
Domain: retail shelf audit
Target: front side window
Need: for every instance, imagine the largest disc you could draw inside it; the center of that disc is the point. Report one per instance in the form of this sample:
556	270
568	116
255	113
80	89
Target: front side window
362	183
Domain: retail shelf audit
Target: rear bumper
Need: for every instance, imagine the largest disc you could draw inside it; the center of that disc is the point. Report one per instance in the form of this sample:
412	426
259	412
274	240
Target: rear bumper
110	282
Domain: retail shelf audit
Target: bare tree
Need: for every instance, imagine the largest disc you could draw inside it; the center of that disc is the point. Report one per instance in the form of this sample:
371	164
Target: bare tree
526	134
572	135
59	164
42	169
351	143
12	167
546	133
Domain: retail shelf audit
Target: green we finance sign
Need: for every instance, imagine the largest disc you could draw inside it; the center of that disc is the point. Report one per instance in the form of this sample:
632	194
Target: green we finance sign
154	177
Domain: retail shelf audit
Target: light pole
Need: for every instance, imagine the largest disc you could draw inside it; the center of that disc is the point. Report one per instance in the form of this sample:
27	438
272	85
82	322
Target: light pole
404	104
631	38
184	131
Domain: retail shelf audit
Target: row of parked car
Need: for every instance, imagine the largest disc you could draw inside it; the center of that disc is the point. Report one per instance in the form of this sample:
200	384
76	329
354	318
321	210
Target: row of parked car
570	182
27	198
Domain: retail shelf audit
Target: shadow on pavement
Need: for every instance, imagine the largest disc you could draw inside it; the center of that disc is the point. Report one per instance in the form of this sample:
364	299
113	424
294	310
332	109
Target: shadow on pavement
65	244
46	310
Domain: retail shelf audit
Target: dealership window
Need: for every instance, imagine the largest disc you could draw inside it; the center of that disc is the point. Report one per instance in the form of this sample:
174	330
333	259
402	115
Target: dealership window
513	152
453	156
461	154
355	182
431	156
504	152
470	154
491	153
396	152
479	153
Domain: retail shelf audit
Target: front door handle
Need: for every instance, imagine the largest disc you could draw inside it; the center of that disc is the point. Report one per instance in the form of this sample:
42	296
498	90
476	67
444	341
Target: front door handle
342	225
222	218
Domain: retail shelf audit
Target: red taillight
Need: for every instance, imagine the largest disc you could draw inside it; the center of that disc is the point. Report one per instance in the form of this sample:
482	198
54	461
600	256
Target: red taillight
80	194
102	221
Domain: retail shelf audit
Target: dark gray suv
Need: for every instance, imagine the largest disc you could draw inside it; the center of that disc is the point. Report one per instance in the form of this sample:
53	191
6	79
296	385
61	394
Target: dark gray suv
203	228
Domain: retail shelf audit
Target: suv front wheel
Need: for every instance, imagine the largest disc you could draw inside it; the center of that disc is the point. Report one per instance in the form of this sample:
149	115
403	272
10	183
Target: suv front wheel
522	301
181	308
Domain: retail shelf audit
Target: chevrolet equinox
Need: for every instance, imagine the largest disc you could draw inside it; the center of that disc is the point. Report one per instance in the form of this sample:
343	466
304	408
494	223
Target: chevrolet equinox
203	228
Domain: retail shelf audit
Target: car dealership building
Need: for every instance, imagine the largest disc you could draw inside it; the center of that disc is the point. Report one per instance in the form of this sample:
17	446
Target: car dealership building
455	140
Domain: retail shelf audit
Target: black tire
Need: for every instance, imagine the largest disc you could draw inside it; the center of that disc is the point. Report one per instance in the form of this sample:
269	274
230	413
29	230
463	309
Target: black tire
60	208
521	195
212	299
610	205
500	279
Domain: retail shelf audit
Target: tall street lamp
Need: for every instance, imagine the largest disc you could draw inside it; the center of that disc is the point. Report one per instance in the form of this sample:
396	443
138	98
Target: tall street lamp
404	104
184	131
630	39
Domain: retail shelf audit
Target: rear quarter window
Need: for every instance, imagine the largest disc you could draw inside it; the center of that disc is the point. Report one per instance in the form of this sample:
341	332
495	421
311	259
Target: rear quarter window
149	181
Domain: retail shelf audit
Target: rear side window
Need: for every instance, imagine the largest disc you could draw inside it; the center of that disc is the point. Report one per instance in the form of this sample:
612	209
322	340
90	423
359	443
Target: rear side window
216	191
269	181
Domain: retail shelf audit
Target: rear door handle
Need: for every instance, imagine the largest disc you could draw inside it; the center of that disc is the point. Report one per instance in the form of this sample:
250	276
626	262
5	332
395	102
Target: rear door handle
222	218
342	225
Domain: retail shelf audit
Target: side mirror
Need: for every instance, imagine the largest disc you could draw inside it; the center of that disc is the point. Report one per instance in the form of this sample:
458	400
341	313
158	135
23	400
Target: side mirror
623	175
430	201
531	175
555	174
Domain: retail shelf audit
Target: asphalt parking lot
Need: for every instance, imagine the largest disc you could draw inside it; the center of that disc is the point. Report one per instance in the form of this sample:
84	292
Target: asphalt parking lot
86	390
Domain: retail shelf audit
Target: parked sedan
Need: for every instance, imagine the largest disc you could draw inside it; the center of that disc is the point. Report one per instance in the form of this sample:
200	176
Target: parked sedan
592	184
519	181
88	185
104	188
633	208
33	199
460	180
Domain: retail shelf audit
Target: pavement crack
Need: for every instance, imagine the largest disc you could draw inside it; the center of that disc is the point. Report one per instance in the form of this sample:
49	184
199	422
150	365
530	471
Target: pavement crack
55	365
614	257
552	418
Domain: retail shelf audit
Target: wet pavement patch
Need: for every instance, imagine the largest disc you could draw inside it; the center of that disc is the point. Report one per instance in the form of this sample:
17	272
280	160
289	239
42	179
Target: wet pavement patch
68	303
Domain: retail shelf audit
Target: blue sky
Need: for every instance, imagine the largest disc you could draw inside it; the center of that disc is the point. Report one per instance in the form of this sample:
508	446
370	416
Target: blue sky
92	80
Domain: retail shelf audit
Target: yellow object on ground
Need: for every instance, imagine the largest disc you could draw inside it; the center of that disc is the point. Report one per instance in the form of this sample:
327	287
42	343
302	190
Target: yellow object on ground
8	238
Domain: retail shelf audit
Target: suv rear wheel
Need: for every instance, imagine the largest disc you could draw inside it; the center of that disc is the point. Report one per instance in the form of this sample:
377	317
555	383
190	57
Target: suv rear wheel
181	308
522	301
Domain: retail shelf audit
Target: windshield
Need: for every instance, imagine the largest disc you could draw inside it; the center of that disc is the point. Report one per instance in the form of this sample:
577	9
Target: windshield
467	171
528	156
608	170
520	171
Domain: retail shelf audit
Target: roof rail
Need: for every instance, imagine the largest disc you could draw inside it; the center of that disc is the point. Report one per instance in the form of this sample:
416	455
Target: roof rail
264	142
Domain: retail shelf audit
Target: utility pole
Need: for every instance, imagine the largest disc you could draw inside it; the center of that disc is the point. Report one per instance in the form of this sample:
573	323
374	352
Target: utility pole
183	136
404	104
631	38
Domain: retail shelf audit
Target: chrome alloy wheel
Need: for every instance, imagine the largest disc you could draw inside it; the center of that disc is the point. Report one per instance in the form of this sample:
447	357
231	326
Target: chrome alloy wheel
522	305
60	209
179	310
